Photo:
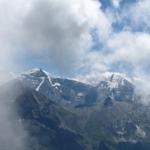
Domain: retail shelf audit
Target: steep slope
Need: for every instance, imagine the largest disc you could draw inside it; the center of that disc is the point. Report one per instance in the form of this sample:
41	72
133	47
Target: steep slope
69	92
46	124
64	91
117	86
119	124
109	124
72	93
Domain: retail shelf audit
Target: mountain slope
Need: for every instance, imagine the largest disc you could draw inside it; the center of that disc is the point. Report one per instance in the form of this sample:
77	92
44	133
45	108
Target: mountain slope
56	119
47	124
73	93
117	86
64	91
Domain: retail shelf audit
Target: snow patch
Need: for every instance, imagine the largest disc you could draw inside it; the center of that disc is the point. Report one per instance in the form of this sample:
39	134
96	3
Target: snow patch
140	132
39	86
80	94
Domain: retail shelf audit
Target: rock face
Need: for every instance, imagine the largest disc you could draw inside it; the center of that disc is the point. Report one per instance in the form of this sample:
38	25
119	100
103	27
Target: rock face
62	114
64	91
70	92
117	86
47	125
108	102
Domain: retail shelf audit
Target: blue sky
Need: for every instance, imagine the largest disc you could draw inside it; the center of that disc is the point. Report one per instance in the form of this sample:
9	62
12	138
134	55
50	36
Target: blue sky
75	38
108	3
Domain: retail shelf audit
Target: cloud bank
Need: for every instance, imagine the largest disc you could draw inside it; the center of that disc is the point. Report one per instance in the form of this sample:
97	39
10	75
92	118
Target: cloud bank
127	47
76	37
58	32
13	135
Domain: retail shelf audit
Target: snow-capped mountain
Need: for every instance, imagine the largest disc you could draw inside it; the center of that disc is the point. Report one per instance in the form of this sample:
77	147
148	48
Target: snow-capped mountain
103	117
70	92
117	86
64	91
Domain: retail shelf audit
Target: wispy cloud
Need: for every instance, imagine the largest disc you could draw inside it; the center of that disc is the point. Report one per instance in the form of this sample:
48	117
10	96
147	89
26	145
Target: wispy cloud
129	44
116	3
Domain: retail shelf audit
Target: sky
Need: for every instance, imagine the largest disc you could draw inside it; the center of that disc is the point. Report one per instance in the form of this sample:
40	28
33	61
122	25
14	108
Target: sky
76	38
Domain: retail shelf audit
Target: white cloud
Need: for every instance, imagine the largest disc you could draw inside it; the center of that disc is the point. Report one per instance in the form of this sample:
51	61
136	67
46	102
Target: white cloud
62	29
12	132
140	14
116	3
130	47
10	18
134	16
92	67
56	31
142	88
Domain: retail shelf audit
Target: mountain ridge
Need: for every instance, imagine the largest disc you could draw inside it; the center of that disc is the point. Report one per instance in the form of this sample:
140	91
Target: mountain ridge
72	115
113	85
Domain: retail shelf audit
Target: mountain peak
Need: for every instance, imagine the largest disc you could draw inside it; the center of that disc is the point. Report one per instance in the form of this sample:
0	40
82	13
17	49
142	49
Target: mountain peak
116	85
37	72
115	76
